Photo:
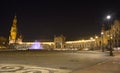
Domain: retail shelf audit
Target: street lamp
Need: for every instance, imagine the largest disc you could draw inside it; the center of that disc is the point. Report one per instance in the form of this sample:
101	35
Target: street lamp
96	44
110	42
102	33
92	47
108	17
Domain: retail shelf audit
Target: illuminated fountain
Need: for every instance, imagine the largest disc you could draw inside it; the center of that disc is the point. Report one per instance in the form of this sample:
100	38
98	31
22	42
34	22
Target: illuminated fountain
36	46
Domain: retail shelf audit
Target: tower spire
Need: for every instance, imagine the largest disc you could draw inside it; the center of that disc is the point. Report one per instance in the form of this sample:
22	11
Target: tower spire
13	31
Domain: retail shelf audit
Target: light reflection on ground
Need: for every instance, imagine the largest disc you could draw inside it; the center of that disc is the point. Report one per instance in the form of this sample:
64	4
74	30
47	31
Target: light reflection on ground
18	68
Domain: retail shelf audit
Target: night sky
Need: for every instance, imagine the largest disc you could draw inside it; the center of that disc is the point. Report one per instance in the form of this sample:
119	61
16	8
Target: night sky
42	19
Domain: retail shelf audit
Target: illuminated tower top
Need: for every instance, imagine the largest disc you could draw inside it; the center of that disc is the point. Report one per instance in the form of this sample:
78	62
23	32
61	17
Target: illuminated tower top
15	21
13	31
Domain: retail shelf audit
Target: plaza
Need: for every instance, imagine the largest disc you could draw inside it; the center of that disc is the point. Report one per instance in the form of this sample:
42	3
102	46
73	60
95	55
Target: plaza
59	36
50	61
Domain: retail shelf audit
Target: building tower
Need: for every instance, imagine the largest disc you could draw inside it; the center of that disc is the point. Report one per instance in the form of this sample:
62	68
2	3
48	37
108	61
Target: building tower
13	31
19	39
59	42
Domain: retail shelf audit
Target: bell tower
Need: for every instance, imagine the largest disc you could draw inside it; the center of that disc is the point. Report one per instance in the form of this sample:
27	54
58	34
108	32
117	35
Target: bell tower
13	31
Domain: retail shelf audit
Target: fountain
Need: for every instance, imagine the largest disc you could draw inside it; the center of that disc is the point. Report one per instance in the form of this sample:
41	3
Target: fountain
36	46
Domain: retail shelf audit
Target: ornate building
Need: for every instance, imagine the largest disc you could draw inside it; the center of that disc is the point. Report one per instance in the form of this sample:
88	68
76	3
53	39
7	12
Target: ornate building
81	44
115	33
13	37
112	35
59	41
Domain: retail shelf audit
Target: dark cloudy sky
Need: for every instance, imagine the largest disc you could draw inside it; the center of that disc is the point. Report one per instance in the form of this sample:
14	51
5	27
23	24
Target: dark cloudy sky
42	19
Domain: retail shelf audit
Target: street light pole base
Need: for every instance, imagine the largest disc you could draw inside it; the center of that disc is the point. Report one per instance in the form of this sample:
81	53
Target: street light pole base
111	53
102	50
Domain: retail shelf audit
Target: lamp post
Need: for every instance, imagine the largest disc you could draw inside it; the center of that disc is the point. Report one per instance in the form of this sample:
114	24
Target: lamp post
102	33
96	44
92	47
110	37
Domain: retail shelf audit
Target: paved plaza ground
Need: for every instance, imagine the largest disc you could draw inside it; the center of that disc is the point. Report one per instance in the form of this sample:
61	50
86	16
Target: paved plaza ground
59	62
112	65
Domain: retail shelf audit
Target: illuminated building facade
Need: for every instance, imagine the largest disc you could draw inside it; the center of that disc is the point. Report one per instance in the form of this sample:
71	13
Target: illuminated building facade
80	44
112	34
13	31
60	43
115	33
13	37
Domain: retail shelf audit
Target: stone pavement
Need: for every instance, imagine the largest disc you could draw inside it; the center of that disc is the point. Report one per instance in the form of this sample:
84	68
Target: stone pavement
110	66
18	68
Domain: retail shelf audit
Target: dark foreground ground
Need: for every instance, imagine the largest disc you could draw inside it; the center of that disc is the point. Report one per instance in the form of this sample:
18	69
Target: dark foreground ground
33	61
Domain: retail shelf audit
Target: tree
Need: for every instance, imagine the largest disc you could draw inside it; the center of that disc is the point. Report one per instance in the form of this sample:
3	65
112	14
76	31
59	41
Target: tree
3	41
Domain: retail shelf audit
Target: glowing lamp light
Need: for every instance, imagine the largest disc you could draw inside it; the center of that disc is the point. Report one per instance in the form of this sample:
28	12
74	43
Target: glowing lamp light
108	17
111	37
91	38
96	37
102	33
